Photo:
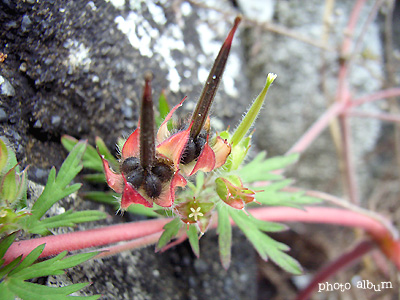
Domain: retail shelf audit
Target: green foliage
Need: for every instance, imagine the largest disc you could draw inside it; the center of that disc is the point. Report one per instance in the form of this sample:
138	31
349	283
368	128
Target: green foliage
163	110
57	187
259	169
91	159
264	245
171	229
224	236
13	184
14	276
194	239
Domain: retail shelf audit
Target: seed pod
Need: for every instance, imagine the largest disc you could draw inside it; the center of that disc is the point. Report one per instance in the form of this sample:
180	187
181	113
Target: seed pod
129	164
162	171
152	185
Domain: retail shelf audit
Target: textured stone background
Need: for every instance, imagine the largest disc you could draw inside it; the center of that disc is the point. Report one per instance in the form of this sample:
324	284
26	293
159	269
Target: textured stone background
75	67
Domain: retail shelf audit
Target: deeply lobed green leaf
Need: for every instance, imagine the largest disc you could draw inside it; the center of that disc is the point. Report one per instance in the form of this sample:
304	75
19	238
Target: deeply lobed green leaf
264	245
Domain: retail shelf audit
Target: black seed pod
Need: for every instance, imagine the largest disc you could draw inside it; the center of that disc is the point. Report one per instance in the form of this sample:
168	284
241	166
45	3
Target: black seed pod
200	141
162	171
152	185
189	154
129	164
136	177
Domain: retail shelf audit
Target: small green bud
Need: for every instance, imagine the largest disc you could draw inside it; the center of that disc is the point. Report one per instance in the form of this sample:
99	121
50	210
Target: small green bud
252	113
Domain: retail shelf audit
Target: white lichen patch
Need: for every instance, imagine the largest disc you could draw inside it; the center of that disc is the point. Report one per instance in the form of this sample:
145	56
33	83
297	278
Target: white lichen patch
157	13
186	9
232	71
202	74
211	46
78	55
148	40
117	3
138	31
171	40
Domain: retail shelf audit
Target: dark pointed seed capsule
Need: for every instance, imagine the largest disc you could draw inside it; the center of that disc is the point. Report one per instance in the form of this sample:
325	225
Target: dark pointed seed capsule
162	171
152	185
189	154
129	164
210	88
136	177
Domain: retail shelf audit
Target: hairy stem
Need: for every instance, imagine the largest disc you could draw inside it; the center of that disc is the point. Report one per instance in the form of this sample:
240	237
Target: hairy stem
130	231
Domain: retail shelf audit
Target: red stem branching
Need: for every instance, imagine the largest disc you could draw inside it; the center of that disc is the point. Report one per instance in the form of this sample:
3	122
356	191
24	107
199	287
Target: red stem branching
345	260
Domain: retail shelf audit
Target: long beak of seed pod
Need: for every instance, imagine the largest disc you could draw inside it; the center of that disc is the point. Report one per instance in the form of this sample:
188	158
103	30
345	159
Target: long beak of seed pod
147	136
207	96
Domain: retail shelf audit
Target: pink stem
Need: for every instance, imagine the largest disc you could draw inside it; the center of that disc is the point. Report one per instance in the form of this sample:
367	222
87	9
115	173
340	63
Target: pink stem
345	51
117	233
315	130
379	116
324	215
135	244
85	239
388	93
345	260
348	157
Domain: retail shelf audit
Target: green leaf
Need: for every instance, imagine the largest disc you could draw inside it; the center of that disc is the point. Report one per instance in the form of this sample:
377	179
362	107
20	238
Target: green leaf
7	157
171	229
67	219
259	168
224	236
106	153
5	244
273	196
29	259
3	157
264	245
95	178
266	226
252	113
102	197
139	209
14	284
57	187
90	157
194	239
199	182
163	109
31	291
9	186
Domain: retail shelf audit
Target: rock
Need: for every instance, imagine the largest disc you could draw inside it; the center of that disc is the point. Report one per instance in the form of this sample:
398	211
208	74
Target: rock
6	88
3	115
